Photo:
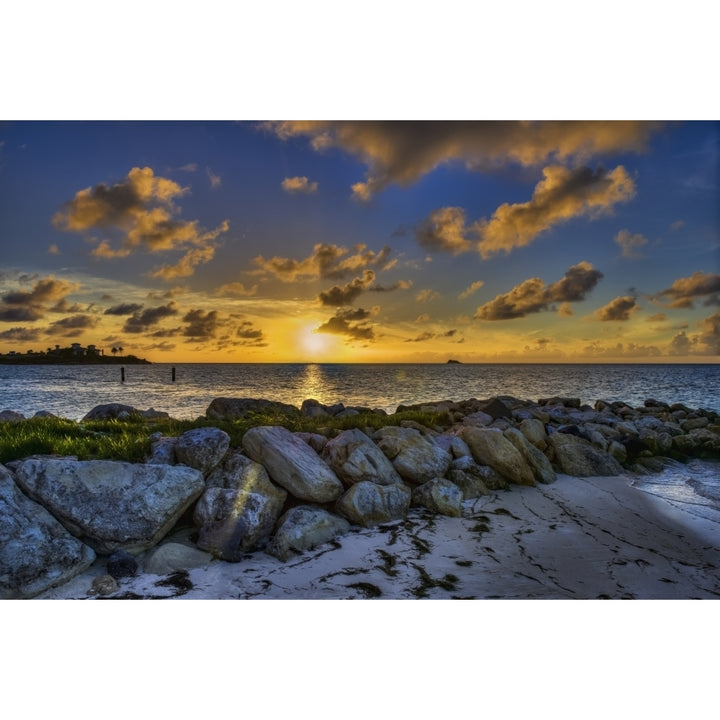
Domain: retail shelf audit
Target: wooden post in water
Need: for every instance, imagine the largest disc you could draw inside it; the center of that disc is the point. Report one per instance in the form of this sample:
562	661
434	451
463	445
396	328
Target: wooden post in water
122	374
173	374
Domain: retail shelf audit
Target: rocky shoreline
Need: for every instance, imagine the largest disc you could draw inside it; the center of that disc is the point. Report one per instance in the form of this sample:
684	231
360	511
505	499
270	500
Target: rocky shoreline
198	505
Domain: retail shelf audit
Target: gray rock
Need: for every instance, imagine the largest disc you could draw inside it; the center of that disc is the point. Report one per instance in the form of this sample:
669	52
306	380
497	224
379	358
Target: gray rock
538	462
474	480
478	418
122	564
415	457
103	585
240	408
368	504
534	431
313	408
439	495
238	510
355	457
162	451
490	447
172	556
110	411
11	416
202	448
303	528
112	505
36	551
316	441
292	464
576	456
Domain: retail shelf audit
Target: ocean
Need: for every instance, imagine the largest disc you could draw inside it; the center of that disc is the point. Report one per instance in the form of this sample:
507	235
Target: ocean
70	391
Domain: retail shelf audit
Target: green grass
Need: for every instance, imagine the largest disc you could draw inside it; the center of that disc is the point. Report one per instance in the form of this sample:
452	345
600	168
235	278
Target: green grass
129	439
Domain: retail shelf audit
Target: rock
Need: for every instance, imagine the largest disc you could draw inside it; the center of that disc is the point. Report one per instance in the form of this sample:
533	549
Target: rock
440	496
534	431
576	456
46	414
456	446
11	416
316	441
368	504
565	401
238	510
103	585
694	424
477	418
111	505
122	564
355	457
538	462
239	408
496	409
490	447
303	528
313	408
110	411
474	480
36	551
171	556
162	451
416	458
202	448
292	464
153	414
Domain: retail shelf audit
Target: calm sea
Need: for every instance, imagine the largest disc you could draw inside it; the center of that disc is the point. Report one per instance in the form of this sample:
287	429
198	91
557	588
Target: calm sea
72	390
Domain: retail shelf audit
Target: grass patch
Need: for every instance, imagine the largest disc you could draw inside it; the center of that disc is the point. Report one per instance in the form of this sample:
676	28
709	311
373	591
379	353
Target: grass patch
129	439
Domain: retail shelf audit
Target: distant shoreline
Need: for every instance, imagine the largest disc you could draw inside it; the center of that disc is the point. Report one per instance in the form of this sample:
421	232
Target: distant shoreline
45	360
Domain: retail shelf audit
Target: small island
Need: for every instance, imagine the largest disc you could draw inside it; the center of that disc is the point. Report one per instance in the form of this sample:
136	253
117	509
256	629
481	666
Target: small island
76	354
453	362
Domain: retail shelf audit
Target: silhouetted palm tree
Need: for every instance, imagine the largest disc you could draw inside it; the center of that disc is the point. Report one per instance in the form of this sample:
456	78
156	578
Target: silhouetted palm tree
114	351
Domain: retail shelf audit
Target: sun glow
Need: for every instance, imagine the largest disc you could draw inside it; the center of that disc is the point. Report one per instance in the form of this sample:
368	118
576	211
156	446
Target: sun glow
313	344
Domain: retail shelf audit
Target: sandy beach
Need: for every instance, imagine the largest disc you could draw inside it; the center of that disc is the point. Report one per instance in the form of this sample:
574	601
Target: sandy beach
579	538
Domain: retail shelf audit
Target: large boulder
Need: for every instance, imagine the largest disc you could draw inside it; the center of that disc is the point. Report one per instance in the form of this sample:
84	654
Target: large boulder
292	464
474	480
355	457
111	411
238	510
303	528
202	448
111	505
416	458
239	408
538	462
490	447
534	430
36	551
440	496
368	504
11	416
169	557
576	456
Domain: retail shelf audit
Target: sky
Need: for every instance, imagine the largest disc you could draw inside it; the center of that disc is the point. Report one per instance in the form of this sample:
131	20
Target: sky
363	241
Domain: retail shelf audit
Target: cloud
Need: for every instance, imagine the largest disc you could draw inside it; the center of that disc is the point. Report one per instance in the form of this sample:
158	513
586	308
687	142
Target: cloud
707	342
350	323
427	295
28	306
141	321
710	336
618	310
237	289
72	326
565	309
20	334
533	296
299	185
337	296
424	317
680	344
141	210
329	262
215	180
53	249
201	325
403	152
685	291
190	167
399	285
123	309
468	291
249	335
630	244
425	336
562	195
658	317
677	224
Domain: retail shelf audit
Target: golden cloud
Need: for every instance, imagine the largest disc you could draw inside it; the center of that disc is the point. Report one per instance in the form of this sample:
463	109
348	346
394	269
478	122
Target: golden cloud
473	288
618	310
630	244
402	152
685	291
140	209
299	185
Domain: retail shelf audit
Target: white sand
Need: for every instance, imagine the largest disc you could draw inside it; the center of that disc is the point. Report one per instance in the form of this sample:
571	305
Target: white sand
577	538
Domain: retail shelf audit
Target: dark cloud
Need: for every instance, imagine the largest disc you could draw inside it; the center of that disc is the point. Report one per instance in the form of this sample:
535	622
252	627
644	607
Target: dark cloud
123	309
249	335
72	326
350	323
141	321
338	296
423	337
685	291
17	313
402	152
20	334
31	305
618	310
202	325
533	296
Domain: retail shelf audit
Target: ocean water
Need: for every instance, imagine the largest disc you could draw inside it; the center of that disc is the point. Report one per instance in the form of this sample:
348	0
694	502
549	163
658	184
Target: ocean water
72	390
